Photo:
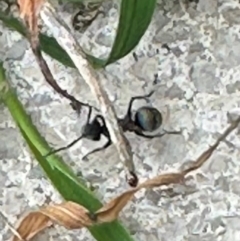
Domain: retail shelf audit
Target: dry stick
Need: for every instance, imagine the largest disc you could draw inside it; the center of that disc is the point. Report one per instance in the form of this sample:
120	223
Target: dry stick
35	46
72	215
70	45
29	10
119	202
50	79
205	155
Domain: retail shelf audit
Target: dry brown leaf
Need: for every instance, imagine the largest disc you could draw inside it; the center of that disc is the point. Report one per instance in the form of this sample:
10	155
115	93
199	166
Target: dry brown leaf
207	154
31	225
163	179
73	216
110	211
29	11
69	214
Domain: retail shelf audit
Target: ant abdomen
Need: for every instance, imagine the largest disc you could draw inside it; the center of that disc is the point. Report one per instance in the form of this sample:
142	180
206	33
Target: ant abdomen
148	118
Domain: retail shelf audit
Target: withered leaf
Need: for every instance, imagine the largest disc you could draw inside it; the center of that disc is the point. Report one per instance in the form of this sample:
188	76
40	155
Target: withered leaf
72	215
110	211
68	214
207	154
31	225
29	11
163	179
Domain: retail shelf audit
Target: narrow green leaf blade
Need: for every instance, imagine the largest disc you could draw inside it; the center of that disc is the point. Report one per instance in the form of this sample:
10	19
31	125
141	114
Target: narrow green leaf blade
48	44
135	17
61	176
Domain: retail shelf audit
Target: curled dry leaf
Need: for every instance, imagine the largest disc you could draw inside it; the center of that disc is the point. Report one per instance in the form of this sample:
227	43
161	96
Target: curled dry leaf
109	212
31	225
164	179
69	214
207	154
72	215
29	10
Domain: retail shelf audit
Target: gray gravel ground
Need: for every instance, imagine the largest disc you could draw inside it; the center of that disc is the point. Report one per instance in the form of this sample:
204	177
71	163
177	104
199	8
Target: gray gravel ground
198	82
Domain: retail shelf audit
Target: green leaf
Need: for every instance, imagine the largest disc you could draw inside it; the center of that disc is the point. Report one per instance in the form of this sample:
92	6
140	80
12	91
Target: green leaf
135	17
61	176
13	23
48	44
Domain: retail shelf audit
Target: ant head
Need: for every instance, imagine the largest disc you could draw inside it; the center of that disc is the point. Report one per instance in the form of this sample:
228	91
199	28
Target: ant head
148	118
76	106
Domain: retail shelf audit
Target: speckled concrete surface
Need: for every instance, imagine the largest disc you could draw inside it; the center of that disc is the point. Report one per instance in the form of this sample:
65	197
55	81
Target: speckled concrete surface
198	82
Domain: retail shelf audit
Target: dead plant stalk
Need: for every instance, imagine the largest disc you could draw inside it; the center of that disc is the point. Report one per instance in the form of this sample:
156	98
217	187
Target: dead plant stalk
74	50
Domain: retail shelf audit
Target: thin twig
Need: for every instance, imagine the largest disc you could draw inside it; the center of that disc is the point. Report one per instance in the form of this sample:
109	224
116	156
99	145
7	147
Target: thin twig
29	11
207	154
62	34
34	42
79	217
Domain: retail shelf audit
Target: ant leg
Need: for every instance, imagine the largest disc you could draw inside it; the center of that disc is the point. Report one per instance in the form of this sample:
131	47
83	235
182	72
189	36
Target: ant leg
172	132
97	149
105	131
76	106
140	133
137	98
73	142
65	147
89	115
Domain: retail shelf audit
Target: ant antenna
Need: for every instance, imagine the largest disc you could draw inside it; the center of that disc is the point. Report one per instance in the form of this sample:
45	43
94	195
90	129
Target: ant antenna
137	98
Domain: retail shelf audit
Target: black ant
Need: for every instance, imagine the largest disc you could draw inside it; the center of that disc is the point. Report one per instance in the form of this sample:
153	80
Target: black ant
146	119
